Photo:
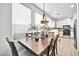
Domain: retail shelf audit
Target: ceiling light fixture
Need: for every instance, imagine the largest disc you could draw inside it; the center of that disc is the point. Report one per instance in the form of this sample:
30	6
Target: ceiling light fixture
72	6
44	21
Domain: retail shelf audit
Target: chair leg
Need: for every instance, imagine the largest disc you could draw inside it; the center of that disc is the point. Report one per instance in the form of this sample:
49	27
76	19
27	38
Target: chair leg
48	51
13	53
56	50
53	52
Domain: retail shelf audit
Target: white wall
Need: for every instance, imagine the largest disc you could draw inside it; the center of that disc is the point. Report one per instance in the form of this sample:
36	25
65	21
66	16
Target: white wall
5	27
60	23
66	21
78	29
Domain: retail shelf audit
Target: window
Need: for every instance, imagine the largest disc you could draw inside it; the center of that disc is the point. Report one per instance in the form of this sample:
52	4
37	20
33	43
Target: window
21	18
38	18
21	14
51	23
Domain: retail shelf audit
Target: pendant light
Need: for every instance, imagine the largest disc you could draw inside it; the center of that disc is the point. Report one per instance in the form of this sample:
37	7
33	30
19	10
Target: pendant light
44	21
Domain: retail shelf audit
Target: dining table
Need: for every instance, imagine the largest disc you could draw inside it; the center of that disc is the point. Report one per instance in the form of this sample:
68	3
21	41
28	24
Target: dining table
37	48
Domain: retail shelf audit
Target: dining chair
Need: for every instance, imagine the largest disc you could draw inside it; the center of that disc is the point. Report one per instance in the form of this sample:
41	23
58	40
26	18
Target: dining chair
29	35
13	48
51	34
15	51
26	35
52	49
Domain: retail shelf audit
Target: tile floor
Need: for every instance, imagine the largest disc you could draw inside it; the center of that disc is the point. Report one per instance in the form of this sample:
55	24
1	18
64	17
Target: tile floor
66	47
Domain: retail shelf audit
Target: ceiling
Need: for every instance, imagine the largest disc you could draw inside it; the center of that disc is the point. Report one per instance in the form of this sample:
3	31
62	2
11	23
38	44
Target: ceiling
58	10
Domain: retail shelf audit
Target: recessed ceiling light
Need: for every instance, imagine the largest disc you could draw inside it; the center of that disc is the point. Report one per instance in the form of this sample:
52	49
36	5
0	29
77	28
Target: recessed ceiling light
72	6
56	12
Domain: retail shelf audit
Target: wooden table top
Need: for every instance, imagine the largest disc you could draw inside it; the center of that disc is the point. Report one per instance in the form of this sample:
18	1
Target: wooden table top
36	47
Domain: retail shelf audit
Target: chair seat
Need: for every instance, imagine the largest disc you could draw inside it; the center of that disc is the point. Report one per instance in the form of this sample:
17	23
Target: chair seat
21	50
25	53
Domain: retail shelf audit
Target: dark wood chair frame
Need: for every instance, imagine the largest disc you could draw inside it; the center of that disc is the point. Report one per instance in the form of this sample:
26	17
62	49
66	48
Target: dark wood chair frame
53	46
13	48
